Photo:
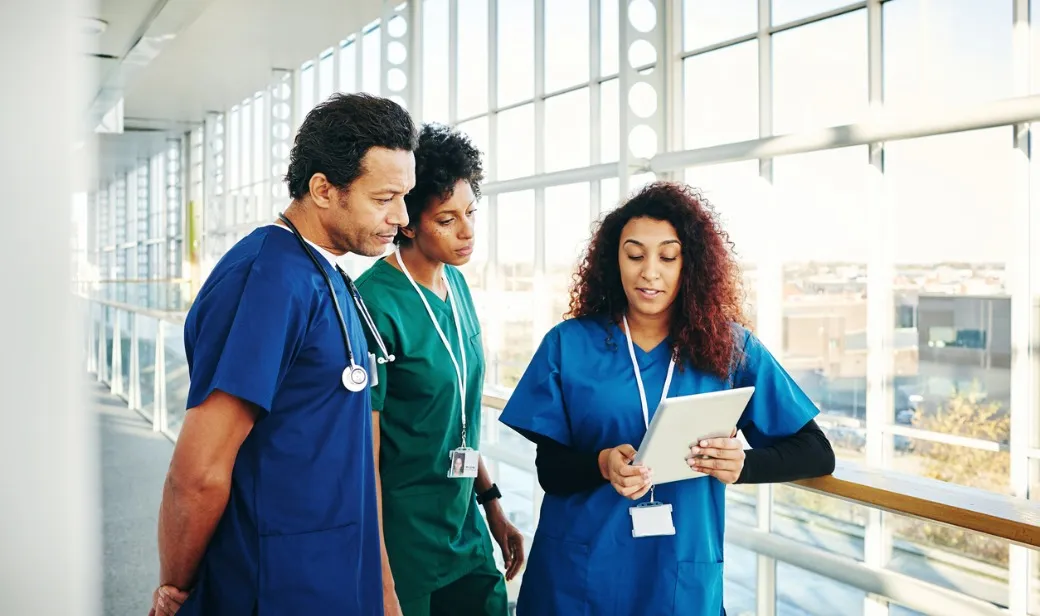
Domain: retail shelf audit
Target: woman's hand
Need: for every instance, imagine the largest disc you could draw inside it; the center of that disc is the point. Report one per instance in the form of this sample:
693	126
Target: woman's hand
509	538
722	458
629	481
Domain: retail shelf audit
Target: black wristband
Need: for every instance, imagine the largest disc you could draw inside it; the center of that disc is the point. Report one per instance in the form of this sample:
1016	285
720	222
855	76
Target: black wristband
489	495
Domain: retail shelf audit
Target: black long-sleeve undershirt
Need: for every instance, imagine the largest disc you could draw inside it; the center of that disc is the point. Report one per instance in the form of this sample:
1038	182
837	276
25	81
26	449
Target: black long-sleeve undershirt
807	453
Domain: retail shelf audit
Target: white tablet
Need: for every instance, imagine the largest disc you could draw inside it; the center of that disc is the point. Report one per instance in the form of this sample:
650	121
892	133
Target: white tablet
684	420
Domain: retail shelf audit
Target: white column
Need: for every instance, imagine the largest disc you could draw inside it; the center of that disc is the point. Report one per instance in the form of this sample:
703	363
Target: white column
49	524
397	57
642	125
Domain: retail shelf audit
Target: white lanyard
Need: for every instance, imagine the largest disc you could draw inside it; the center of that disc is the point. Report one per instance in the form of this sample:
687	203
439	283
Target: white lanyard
460	374
639	378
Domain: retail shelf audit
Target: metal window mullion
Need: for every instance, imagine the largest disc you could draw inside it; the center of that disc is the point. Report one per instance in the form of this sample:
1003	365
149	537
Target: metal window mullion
540	281
453	61
414	59
337	53
877	539
491	156
673	95
1024	403
384	40
596	112
770	312
359	61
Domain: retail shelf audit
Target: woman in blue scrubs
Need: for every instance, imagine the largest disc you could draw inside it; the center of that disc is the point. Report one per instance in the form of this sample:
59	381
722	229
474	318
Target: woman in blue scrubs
655	312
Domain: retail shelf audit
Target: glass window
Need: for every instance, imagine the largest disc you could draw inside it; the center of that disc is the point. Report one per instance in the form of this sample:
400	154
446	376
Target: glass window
803	592
821	215
235	150
567	131
802	515
1034	12
608	196
306	91
610	122
567	231
721	96
609	19
246	157
926	62
816	90
706	22
260	114
435	50
566	43
515	51
515	242
515	143
472	30
477	130
348	67
786	11
953	558
371	61
735	190
741	580
954	197
326	76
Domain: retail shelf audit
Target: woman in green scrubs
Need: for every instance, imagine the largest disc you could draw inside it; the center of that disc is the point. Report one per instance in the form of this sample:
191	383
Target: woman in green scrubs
438	557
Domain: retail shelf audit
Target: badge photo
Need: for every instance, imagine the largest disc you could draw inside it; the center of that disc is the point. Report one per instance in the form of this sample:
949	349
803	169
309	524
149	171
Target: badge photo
464	463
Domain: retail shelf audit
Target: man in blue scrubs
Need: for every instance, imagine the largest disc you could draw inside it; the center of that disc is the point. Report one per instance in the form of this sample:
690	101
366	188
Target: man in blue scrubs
269	506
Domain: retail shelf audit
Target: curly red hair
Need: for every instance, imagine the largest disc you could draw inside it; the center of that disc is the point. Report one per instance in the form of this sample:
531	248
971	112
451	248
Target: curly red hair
710	295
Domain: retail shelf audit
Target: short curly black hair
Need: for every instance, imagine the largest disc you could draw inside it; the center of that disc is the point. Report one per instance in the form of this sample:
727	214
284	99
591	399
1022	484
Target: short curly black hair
336	135
443	157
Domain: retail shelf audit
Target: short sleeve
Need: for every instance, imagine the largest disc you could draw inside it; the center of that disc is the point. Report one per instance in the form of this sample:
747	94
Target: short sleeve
536	406
246	336
779	407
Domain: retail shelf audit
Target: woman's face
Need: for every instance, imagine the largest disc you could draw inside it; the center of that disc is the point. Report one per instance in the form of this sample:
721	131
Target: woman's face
650	259
458	464
445	229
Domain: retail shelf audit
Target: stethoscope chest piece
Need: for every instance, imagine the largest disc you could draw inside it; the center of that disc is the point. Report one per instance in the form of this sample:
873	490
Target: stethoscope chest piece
355	378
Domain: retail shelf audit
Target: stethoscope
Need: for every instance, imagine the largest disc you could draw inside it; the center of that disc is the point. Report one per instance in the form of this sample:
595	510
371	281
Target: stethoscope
355	377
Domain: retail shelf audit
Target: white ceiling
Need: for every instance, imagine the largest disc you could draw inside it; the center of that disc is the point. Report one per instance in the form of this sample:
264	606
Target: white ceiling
227	53
174	60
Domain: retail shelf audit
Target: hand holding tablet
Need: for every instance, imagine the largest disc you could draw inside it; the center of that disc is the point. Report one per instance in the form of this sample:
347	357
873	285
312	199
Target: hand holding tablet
722	458
682	423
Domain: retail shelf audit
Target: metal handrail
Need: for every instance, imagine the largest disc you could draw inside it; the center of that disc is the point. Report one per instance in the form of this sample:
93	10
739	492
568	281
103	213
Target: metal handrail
1013	519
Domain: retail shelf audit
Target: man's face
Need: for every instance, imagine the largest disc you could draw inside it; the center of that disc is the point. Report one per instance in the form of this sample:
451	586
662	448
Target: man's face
365	216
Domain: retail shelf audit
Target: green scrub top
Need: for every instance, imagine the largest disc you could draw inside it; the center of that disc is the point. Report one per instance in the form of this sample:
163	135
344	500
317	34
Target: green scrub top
433	531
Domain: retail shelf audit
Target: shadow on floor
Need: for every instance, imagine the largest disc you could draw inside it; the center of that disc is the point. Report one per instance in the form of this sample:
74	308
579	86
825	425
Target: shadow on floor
133	465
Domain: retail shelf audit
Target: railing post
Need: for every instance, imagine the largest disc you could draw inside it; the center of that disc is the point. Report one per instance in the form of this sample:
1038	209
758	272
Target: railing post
159	383
133	398
115	381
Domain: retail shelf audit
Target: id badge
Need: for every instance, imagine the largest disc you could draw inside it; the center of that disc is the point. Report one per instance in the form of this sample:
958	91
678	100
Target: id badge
651	520
373	370
464	462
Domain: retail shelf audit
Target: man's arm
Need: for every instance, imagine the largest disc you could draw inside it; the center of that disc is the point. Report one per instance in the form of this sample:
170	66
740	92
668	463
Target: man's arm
390	603
198	483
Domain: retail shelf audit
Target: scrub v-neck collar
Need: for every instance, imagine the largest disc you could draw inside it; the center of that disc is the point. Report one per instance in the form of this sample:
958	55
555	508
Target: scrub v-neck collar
398	276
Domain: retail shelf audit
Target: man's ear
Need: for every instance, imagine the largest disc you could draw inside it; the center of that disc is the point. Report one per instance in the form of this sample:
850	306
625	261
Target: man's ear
321	190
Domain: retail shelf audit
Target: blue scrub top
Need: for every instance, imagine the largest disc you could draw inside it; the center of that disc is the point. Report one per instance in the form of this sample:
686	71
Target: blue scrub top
580	390
300	531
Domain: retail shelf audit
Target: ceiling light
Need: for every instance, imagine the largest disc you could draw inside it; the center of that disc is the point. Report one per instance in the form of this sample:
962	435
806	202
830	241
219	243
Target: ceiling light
93	25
